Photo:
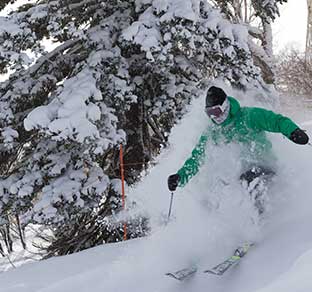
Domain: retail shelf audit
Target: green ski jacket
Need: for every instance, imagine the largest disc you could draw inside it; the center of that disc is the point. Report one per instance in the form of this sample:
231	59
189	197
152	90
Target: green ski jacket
245	126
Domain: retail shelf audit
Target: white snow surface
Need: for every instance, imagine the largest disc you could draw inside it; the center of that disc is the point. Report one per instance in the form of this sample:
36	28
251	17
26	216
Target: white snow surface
211	216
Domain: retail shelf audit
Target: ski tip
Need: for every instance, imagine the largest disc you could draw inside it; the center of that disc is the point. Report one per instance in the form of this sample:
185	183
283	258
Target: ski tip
173	276
183	274
170	275
248	244
212	272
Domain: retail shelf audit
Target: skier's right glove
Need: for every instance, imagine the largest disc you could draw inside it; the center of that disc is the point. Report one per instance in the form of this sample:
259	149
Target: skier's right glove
299	137
173	181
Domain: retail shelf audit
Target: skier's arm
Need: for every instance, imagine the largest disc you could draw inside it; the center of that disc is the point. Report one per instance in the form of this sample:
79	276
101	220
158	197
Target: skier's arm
269	121
192	164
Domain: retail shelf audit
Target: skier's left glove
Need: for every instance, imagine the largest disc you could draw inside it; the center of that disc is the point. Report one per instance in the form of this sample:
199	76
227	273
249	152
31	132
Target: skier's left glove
299	137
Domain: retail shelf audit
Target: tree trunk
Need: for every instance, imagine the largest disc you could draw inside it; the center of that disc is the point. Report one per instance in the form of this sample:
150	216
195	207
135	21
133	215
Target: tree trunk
267	38
308	51
20	232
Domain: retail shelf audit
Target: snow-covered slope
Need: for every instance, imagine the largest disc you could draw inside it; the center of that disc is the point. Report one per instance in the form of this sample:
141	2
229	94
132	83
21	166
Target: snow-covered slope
211	216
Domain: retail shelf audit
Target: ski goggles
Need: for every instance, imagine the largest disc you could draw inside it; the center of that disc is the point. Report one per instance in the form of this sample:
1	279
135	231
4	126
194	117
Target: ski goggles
217	110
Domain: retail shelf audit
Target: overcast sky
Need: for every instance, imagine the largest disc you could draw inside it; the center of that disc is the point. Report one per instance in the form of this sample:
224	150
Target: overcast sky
291	27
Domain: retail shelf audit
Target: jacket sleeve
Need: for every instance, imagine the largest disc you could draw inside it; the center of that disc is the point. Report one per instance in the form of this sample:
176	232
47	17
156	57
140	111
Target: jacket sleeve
192	164
266	120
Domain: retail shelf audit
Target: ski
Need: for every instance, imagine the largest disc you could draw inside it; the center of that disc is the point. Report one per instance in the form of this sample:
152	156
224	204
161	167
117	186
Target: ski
183	274
239	253
218	270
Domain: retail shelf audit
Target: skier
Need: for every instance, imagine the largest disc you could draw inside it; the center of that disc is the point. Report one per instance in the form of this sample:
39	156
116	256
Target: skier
245	126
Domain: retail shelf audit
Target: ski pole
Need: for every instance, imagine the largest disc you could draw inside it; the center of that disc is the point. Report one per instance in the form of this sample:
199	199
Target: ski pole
170	207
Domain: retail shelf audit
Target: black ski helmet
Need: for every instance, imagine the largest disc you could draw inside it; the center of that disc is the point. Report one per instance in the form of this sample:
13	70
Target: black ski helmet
215	96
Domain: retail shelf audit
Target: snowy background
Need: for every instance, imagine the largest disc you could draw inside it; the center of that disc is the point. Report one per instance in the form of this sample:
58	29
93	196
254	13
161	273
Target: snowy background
290	29
211	216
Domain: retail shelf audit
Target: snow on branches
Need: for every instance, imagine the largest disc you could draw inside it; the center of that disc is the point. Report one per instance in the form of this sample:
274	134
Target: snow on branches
267	9
74	113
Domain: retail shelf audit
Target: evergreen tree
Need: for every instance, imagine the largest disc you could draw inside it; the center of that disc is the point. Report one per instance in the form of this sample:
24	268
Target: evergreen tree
258	16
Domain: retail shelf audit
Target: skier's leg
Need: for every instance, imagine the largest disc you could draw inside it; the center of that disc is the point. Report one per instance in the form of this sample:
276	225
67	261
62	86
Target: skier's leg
255	172
256	181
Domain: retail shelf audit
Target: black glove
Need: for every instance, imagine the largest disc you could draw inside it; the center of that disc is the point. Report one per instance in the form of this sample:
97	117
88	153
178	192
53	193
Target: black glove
173	181
299	136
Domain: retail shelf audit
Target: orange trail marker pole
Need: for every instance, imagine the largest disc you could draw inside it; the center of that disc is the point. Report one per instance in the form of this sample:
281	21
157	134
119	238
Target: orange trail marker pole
122	172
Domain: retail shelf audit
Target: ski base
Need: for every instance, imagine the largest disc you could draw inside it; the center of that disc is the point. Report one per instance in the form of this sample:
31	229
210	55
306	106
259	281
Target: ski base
183	274
239	253
224	266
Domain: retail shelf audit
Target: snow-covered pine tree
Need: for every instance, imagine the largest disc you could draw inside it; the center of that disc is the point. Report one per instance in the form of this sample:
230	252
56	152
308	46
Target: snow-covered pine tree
123	72
258	16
